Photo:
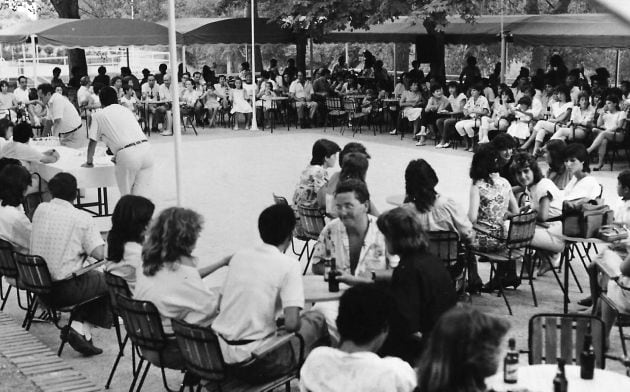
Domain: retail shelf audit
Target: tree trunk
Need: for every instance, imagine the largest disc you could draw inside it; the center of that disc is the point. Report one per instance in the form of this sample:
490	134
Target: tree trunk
562	7
531	7
438	68
70	9
300	57
257	53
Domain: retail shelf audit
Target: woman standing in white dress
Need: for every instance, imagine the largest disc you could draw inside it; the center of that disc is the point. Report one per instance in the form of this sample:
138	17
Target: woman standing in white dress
240	104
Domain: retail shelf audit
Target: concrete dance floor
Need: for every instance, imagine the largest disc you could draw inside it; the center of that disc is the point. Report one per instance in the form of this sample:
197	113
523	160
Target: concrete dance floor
229	177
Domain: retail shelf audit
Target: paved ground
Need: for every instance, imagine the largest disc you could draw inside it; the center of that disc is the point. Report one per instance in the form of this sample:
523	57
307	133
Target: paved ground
229	177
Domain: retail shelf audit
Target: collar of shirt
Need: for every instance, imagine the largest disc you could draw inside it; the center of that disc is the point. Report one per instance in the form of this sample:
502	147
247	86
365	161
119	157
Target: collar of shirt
61	202
267	248
369	241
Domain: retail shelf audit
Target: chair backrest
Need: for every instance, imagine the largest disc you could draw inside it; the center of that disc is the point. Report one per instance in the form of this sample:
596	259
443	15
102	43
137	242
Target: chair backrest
312	221
201	351
8	268
522	228
116	285
280	199
445	245
552	336
333	103
350	105
33	273
142	323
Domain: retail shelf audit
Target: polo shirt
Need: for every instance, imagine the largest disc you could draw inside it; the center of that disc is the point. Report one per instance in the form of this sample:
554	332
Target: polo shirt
116	126
150	91
15	227
260	283
301	90
63	235
21	95
165	93
328	369
60	108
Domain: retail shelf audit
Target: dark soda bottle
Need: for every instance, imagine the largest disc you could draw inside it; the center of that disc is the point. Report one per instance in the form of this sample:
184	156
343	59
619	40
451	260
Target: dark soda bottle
587	358
560	383
333	283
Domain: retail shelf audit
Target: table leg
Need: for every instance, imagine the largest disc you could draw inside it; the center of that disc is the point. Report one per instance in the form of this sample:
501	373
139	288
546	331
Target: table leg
105	202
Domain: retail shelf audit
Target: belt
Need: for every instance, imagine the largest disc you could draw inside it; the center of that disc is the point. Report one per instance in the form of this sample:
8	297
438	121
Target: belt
69	132
132	144
237	342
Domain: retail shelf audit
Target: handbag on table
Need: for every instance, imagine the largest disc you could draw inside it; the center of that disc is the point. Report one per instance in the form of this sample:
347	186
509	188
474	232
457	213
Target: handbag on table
583	218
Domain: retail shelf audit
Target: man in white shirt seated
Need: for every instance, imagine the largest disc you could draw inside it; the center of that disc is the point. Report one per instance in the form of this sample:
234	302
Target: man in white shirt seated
163	112
150	93
301	91
222	89
65	237
261	283
354	366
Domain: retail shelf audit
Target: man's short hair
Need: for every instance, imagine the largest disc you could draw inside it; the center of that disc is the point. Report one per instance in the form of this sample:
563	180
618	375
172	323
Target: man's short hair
46	88
20	78
22	132
364	312
108	96
63	186
357	186
276	223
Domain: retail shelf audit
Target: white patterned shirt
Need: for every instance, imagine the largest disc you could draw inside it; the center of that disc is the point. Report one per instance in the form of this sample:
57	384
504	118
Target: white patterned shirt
373	252
63	235
15	227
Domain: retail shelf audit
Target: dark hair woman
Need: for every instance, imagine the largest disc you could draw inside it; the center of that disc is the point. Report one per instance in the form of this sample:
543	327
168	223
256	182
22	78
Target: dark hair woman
124	242
421	286
15	227
315	176
554	155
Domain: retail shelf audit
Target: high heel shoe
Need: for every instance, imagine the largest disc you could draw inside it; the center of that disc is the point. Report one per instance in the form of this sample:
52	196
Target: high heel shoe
474	287
507	281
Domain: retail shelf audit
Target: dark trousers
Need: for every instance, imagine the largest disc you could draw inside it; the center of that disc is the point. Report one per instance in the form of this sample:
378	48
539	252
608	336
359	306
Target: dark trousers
69	292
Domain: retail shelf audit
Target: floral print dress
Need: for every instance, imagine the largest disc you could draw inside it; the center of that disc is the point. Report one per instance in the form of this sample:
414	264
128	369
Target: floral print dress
494	199
312	179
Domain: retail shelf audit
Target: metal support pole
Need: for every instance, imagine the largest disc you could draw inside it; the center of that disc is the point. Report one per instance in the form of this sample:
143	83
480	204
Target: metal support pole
254	122
34	46
617	68
310	44
183	58
503	54
177	132
395	65
347	55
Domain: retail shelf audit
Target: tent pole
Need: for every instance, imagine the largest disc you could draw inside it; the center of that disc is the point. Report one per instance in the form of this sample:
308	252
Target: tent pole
347	55
310	44
618	66
127	57
184	58
503	54
177	134
254	122
34	46
395	68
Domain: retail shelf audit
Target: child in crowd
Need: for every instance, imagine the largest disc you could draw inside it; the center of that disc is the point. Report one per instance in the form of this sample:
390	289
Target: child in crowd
519	129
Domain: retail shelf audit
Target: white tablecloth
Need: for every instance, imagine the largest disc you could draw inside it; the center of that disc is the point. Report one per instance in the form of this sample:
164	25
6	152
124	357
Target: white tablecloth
70	161
539	378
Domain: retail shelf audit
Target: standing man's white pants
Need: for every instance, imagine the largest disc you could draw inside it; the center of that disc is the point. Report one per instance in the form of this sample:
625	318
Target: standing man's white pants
134	170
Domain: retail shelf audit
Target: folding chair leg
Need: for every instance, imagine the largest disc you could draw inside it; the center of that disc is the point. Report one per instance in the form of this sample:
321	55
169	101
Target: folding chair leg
64	335
527	259
623	341
308	259
6	296
577	282
30	313
121	352
502	293
136	374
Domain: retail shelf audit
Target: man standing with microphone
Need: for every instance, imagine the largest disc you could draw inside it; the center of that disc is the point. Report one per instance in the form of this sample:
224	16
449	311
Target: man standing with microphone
118	128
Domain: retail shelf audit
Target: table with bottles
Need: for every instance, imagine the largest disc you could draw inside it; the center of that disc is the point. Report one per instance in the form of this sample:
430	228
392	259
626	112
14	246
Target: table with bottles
316	289
99	177
540	378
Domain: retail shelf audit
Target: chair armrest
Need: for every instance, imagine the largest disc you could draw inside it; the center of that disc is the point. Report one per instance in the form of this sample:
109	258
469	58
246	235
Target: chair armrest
277	343
482	228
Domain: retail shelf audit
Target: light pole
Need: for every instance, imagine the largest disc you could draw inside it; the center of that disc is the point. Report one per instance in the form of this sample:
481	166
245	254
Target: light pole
177	134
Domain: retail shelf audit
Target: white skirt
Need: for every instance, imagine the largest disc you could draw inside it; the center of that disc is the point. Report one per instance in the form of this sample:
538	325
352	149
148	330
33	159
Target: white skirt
412	114
519	130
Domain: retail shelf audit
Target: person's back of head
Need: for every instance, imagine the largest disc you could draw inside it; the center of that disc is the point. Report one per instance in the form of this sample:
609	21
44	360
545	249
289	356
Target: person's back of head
63	186
162	68
352	147
484	162
22	132
355	165
102	70
462	351
9	161
403	231
108	96
275	224
322	149
173	234
420	182
5	126
130	219
14	180
363	318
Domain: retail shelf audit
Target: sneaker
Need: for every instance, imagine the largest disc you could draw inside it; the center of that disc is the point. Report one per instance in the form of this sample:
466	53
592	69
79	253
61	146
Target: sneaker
421	143
163	133
79	343
439	145
588	301
446	145
394	132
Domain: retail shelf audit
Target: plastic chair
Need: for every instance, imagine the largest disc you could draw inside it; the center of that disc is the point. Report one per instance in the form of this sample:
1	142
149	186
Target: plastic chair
144	327
117	285
313	222
334	111
514	247
446	246
202	355
552	336
8	270
35	278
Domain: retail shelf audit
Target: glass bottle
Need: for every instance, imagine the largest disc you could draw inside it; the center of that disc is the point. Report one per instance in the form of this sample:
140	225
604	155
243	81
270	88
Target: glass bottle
560	383
510	364
587	359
